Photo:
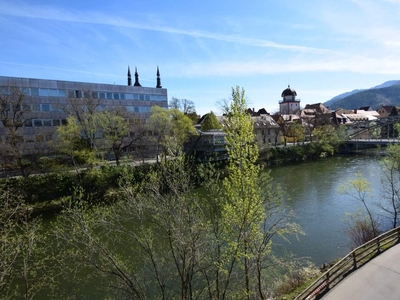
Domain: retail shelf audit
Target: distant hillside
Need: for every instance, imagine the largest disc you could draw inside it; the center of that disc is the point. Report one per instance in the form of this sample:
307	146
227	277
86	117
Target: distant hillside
331	102
387	93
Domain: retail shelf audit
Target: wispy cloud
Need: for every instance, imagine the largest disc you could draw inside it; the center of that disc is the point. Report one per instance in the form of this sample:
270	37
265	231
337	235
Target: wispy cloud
60	69
50	13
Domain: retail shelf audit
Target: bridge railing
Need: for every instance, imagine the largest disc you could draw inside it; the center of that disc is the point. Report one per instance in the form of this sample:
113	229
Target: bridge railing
355	259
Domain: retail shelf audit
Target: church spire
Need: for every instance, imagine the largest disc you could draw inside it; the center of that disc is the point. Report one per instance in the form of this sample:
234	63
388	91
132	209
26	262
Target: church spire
158	79
129	77
136	78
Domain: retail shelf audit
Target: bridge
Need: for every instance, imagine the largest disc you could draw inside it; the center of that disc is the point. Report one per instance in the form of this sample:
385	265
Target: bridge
371	271
356	144
370	125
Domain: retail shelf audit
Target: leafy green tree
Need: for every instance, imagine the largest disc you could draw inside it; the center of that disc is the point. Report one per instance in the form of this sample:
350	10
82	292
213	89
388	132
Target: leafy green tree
186	106
210	122
115	130
171	129
391	182
327	139
296	131
68	142
23	250
247	210
359	188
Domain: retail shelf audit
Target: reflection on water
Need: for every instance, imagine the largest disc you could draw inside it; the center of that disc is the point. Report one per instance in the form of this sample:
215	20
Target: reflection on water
312	192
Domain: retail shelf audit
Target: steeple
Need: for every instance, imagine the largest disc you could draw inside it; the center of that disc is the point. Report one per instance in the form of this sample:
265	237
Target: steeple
158	79
136	78
129	77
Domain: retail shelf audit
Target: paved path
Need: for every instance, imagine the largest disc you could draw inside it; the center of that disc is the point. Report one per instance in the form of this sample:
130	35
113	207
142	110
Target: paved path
378	279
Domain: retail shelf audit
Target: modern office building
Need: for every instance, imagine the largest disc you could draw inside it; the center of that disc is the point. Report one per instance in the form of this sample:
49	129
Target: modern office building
44	103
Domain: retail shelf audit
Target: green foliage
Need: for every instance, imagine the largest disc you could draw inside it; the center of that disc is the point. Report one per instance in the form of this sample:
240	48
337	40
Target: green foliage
23	250
391	182
296	131
359	188
210	122
171	129
68	142
246	208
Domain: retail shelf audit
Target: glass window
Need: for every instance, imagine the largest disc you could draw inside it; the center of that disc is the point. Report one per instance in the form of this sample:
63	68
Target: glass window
136	109
55	108
35	107
26	91
141	97
129	96
130	108
143	109
56	122
86	95
135	96
116	96
101	107
46	122
37	123
4	90
45	107
62	93
53	93
78	94
28	123
64	122
95	95
43	92
122	95
34	92
102	95
147	97
109	96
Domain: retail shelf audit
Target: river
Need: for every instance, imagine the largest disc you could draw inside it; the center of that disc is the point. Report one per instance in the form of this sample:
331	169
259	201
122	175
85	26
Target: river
312	192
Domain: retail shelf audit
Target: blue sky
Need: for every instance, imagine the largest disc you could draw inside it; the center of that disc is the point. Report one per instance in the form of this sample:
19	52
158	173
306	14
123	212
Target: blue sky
204	48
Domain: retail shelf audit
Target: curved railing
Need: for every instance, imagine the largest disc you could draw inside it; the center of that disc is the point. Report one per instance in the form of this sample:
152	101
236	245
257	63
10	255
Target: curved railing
350	263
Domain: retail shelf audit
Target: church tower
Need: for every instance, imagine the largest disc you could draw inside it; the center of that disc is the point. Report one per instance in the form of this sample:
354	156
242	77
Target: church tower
136	78
159	86
289	105
129	77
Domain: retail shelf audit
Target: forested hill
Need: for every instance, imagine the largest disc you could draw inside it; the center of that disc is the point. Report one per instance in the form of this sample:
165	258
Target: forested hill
374	97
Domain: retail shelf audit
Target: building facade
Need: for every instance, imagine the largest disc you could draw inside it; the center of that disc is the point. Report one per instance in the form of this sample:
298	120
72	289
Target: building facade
42	105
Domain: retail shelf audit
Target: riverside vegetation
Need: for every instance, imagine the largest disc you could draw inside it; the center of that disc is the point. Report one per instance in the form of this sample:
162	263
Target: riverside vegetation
157	238
146	232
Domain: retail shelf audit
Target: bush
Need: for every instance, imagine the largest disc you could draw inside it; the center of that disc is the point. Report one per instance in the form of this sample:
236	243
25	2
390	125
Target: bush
360	230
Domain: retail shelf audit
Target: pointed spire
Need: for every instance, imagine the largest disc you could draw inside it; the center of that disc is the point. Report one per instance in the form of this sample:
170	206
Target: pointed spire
136	78
158	79
129	77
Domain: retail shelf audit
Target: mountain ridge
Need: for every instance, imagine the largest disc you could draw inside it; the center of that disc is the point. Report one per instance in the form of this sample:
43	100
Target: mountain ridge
387	93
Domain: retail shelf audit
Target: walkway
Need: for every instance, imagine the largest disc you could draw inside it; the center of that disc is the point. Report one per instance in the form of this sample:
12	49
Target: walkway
378	279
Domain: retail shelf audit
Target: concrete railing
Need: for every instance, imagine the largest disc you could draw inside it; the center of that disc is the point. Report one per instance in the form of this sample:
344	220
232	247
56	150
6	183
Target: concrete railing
350	263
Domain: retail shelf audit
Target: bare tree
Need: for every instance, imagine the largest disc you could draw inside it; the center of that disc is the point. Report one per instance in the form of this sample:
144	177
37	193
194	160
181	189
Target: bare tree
15	113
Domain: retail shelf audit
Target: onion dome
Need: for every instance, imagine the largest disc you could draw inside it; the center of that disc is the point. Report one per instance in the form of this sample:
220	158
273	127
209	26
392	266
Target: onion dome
289	92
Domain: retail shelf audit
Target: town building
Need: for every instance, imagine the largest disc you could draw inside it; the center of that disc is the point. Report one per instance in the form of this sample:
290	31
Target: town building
46	103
